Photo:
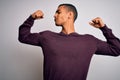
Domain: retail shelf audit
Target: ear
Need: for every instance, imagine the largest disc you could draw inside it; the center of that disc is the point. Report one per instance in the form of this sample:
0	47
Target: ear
70	15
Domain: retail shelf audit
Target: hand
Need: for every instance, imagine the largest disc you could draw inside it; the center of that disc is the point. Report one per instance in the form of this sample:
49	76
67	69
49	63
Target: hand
97	22
38	14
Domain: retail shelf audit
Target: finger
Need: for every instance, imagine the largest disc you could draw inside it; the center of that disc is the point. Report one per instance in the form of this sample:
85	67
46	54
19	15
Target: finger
41	17
95	21
35	16
98	18
91	23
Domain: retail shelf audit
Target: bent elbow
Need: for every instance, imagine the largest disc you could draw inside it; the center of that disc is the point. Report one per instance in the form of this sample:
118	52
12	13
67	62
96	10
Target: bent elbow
117	53
20	39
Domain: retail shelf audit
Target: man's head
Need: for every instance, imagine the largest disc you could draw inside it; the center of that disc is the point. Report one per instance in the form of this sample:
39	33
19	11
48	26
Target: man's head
64	13
71	8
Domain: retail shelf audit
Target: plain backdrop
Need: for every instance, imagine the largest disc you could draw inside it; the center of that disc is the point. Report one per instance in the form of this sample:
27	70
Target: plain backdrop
25	62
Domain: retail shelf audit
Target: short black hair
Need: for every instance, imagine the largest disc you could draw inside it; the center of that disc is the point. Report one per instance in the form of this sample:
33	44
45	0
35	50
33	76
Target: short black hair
72	8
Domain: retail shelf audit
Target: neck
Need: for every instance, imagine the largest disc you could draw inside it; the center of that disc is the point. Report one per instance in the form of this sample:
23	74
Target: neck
68	28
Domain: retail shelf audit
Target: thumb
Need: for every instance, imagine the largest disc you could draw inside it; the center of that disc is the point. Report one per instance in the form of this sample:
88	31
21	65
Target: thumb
91	23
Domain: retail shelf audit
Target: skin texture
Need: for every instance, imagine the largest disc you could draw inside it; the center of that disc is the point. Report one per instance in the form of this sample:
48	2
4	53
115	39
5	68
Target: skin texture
38	14
97	22
65	19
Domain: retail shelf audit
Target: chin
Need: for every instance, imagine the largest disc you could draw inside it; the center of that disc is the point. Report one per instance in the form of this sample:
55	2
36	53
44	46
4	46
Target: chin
58	24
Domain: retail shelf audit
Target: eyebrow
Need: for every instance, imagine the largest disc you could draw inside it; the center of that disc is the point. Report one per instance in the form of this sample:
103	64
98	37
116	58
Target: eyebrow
57	11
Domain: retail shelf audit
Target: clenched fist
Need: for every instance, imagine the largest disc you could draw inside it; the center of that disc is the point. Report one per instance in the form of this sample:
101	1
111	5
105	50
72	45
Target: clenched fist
38	14
97	22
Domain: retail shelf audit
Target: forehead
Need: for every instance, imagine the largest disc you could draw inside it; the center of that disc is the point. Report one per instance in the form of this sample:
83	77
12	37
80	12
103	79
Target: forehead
61	8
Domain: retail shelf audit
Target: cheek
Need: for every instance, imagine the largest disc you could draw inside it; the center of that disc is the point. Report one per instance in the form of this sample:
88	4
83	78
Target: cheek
63	18
60	19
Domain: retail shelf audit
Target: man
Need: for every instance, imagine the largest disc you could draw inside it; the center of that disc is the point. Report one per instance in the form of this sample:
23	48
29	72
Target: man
67	54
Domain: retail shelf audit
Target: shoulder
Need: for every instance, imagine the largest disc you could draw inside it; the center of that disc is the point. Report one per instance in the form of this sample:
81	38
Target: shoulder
46	32
89	37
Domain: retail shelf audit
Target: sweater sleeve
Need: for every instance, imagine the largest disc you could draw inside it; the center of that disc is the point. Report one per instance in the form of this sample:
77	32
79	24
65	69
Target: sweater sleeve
25	36
111	46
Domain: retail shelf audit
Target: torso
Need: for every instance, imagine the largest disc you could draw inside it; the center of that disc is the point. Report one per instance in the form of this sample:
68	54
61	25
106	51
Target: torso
67	56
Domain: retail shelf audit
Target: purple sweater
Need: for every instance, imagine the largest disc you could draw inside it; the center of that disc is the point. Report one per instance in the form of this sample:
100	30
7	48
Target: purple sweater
67	57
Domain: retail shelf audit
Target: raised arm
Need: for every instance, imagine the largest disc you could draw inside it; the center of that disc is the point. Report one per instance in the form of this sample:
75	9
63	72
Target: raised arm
25	36
112	45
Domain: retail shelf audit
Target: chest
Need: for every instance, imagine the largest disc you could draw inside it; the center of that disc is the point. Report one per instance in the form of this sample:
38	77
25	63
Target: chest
68	46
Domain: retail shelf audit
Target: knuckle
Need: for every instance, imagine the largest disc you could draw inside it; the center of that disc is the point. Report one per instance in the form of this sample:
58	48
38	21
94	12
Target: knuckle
98	17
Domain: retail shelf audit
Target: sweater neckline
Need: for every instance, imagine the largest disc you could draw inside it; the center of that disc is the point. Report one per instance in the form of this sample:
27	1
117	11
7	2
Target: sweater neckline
73	33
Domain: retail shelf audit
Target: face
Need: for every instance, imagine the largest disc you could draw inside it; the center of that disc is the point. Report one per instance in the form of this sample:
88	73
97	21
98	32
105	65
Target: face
61	16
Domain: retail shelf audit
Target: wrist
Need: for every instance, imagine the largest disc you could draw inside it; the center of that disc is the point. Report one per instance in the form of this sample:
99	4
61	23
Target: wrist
104	26
32	17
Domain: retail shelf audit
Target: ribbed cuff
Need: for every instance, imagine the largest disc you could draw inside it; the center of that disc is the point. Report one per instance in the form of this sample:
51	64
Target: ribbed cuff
31	18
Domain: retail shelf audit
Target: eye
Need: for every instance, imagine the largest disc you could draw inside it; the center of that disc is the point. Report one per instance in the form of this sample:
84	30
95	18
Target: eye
58	12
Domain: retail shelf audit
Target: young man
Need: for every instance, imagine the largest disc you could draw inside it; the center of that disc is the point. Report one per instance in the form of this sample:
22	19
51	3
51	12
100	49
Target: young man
67	54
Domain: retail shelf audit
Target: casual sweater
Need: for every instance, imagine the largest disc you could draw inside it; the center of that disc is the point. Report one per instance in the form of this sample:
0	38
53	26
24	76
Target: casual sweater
68	56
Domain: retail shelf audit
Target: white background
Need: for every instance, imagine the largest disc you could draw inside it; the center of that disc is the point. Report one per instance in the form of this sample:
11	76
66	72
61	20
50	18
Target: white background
25	62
